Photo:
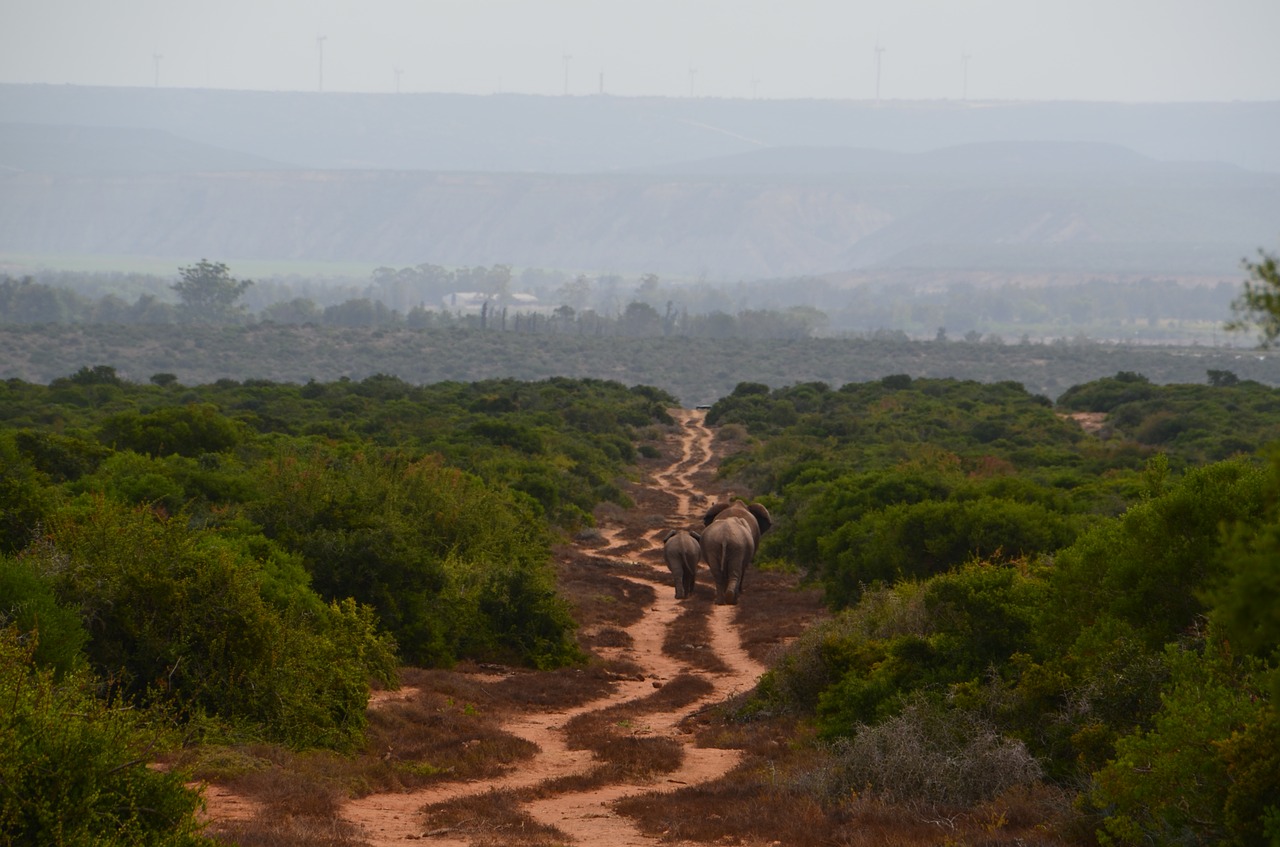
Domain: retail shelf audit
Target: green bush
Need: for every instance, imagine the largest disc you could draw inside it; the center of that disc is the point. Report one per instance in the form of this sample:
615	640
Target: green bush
28	605
170	482
827	650
186	430
177	617
453	567
1181	780
1106	394
1151	566
918	540
73	768
1246	601
26	498
62	457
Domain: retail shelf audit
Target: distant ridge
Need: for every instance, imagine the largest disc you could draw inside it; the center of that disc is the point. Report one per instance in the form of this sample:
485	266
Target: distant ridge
599	134
979	158
97	149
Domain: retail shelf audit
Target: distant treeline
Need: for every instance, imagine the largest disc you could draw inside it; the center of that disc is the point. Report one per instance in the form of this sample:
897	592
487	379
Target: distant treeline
25	301
697	370
536	301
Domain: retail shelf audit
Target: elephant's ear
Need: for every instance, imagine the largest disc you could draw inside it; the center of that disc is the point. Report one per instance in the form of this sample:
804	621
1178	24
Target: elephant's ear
762	516
713	511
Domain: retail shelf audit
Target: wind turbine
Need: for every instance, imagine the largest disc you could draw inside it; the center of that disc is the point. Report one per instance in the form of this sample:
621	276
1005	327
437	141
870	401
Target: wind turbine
693	73
567	58
755	88
879	50
964	62
320	39
156	57
397	71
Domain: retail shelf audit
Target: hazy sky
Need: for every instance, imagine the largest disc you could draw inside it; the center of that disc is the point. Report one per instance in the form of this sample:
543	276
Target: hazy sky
1115	50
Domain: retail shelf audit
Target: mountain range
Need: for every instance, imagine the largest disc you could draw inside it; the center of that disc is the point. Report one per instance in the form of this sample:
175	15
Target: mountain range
680	187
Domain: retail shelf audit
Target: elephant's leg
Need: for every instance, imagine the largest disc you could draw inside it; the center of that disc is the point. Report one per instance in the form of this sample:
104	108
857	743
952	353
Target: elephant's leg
719	577
690	578
677	576
734	588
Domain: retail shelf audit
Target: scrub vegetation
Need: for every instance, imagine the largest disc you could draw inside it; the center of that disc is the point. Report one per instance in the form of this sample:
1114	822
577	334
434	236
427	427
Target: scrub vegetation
239	562
1048	622
1023	609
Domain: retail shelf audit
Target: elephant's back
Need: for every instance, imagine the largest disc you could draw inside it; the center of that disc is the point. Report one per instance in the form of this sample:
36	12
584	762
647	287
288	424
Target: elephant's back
730	530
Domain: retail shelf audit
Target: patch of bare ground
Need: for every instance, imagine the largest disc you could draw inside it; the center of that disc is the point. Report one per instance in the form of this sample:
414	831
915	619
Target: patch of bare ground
1091	422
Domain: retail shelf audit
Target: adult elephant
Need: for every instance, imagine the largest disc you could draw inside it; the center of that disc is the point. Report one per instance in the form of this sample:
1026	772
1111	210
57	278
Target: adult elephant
682	550
732	533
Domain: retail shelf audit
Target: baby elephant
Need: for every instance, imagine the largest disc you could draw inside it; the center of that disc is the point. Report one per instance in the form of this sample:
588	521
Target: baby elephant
682	550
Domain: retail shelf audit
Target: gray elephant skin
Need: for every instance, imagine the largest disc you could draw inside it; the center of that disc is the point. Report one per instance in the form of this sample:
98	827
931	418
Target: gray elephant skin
682	550
729	542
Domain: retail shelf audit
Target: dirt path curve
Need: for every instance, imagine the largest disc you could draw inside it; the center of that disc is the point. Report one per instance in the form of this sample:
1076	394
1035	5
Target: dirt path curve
389	820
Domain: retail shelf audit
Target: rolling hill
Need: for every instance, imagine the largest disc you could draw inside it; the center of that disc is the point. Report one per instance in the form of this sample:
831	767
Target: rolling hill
714	189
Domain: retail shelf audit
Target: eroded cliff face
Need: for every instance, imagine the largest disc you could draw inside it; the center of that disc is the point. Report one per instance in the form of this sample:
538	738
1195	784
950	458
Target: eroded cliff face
725	227
662	225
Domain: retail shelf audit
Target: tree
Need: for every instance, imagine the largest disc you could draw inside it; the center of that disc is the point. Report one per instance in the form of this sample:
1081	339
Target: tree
1259	303
576	293
1222	379
299	310
640	320
209	292
647	291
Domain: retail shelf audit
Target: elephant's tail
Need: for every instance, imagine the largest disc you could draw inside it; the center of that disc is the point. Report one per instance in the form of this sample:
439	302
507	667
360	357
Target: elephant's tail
720	549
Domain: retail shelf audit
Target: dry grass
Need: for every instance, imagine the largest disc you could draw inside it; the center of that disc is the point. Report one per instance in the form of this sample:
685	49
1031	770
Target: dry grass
563	688
689	636
593	730
492	819
777	795
625	759
434	737
609	637
600	595
300	798
788	789
286	832
774	610
622	742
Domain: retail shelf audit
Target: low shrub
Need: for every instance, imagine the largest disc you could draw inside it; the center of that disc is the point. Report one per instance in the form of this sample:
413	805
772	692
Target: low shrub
74	768
932	754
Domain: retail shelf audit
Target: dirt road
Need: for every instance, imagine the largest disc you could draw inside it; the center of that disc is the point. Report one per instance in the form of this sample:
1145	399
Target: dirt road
586	817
